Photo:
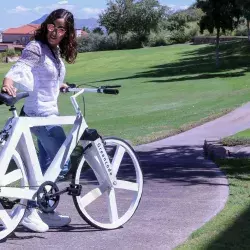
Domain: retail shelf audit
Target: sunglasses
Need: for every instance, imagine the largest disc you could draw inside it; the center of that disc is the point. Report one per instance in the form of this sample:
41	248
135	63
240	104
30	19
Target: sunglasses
60	31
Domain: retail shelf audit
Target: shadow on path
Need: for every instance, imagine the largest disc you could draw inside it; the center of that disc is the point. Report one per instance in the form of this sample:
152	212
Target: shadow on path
183	165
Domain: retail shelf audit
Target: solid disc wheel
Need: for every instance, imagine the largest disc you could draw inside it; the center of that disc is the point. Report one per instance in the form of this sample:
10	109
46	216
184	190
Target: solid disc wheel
11	212
110	207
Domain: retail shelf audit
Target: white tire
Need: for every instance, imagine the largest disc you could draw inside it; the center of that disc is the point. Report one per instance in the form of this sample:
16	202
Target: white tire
110	208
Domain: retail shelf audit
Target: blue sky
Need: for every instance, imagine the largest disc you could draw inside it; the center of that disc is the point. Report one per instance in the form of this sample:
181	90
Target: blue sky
14	13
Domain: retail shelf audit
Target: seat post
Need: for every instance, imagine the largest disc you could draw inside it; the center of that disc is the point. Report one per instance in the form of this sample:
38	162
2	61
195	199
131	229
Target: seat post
13	110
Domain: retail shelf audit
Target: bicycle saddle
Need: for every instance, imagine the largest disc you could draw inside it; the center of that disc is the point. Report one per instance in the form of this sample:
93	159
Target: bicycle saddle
10	100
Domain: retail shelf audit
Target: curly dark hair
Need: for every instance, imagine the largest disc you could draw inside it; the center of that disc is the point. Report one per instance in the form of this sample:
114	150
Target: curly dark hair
68	46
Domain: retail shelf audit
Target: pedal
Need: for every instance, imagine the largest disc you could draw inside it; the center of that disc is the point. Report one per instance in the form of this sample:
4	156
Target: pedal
74	189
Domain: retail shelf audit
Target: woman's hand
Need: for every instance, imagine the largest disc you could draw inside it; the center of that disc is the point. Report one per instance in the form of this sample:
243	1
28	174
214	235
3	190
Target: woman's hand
8	87
64	87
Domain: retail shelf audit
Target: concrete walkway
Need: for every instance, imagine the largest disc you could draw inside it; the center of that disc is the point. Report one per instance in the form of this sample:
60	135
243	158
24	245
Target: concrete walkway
182	191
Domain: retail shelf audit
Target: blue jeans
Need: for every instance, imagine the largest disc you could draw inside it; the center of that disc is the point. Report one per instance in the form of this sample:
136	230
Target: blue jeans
49	139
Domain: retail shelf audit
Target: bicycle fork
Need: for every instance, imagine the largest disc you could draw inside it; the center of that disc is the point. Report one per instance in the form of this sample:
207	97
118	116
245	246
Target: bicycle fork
96	156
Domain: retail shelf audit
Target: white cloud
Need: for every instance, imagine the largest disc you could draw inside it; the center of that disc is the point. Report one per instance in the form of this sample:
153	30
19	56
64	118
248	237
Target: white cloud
90	12
184	7
69	7
19	9
48	8
43	9
86	12
38	8
177	7
63	2
171	6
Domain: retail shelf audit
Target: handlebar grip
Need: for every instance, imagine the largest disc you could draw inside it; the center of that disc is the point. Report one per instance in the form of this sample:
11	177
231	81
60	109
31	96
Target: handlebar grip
111	91
71	85
111	86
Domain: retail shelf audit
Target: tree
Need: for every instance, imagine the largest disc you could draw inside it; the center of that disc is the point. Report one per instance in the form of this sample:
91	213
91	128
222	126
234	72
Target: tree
192	13
136	16
244	5
86	29
146	15
117	17
98	30
176	21
220	16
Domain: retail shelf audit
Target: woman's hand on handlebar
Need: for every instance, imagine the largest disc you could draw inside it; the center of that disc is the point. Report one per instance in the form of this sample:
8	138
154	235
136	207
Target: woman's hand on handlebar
64	87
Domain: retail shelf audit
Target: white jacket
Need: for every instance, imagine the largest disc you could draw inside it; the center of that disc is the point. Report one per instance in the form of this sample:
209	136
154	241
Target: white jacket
40	72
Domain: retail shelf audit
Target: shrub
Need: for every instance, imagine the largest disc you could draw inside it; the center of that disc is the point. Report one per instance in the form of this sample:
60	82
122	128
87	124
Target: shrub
130	41
178	37
192	31
160	38
2	56
183	36
241	31
96	42
10	52
108	42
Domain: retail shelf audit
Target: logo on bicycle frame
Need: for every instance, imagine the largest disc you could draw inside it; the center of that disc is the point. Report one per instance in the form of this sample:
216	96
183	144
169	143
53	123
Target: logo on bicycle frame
105	160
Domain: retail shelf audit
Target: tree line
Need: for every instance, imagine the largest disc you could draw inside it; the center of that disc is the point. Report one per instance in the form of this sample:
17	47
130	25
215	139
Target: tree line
137	23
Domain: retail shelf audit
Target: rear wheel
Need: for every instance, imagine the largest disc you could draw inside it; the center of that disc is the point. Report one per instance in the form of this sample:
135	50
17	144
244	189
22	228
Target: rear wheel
110	207
12	210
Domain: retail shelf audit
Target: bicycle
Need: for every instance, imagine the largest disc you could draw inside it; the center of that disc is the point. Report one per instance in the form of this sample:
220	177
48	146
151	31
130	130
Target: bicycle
108	170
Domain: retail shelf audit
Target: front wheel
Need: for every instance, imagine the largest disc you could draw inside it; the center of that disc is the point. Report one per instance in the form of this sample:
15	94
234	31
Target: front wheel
110	208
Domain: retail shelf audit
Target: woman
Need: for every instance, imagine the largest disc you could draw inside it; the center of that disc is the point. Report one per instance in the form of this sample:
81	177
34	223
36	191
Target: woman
41	71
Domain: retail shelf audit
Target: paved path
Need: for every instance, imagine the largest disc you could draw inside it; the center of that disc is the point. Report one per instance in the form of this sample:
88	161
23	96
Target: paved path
182	191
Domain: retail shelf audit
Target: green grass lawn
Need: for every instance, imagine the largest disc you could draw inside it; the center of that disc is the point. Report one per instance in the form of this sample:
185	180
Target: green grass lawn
164	90
240	138
230	228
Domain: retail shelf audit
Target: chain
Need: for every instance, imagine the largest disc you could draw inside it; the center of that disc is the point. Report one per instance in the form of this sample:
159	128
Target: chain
8	204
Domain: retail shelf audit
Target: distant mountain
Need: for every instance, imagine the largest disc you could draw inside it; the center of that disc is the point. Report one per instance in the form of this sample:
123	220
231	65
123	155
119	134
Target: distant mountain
40	20
91	23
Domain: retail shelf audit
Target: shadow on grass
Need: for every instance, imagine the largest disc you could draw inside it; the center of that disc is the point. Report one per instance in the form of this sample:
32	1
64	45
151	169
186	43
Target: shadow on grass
200	64
237	235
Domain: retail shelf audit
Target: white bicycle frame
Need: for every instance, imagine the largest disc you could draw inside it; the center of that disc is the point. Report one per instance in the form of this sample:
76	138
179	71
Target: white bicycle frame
20	142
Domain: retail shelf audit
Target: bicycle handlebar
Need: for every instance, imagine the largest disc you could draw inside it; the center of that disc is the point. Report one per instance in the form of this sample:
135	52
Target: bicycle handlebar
79	91
98	90
103	89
